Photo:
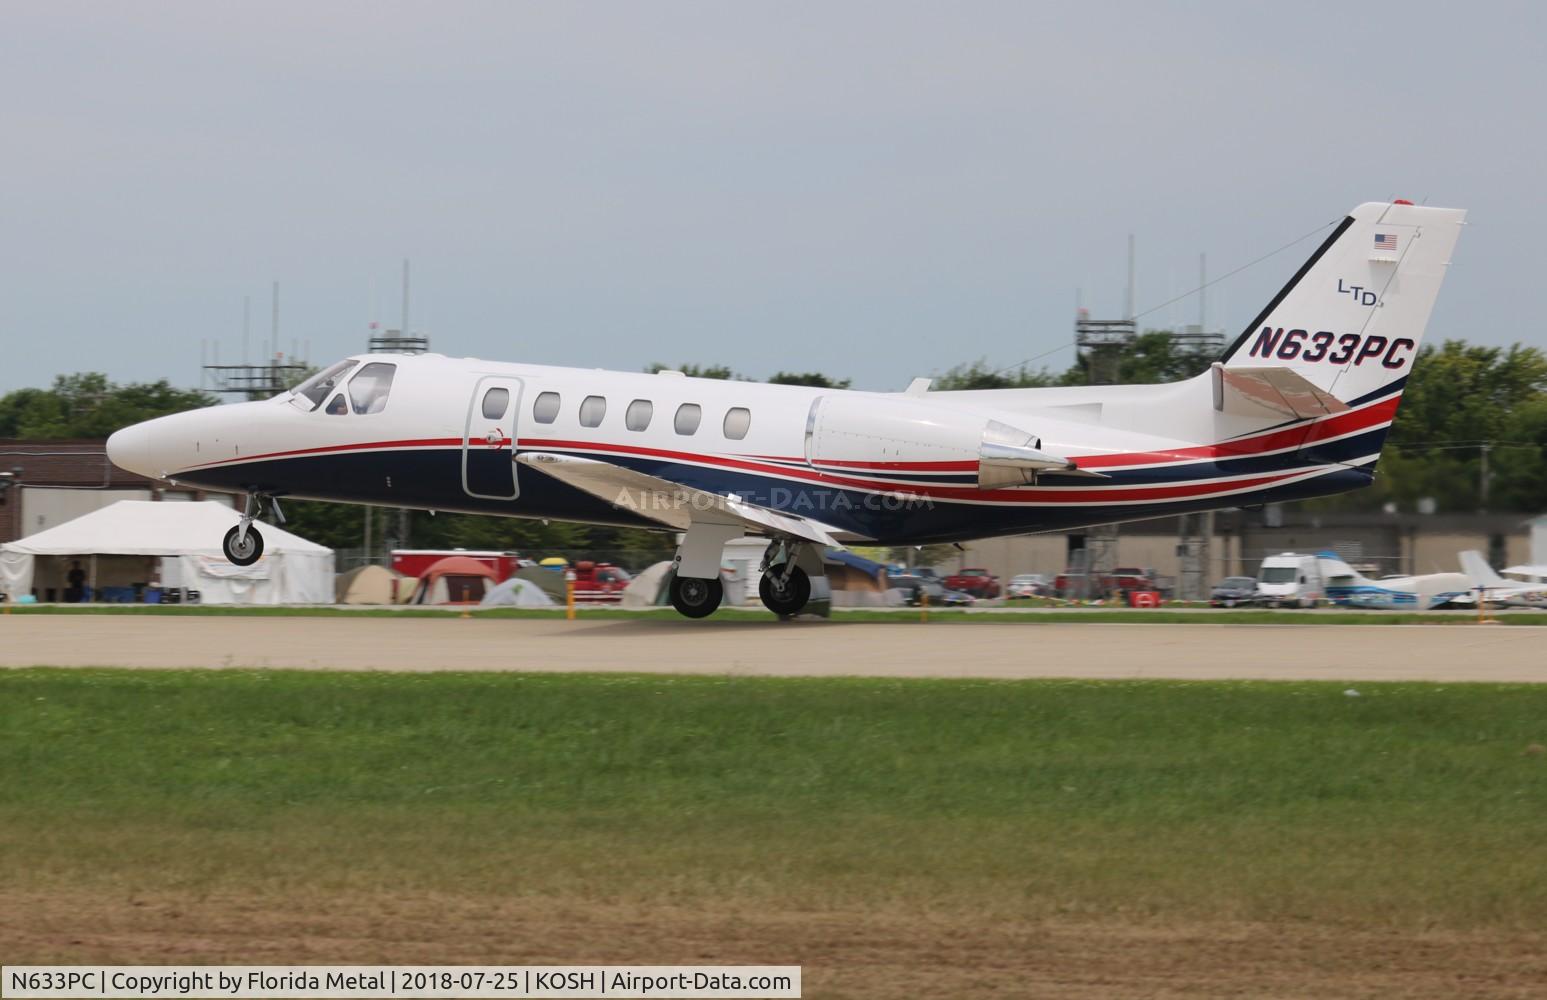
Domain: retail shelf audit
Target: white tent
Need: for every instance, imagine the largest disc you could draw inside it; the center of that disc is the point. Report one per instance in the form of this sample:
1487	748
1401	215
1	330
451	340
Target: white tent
516	593
181	542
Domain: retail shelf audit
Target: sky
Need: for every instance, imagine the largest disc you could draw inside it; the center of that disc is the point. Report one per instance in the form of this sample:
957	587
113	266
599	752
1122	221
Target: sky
871	190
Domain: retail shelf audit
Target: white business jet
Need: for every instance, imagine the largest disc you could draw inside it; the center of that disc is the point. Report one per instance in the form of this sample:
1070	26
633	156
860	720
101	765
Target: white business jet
1298	406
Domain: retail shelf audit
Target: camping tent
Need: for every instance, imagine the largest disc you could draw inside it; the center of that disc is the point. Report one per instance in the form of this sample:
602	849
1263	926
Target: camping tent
546	580
366	585
856	582
175	544
516	593
454	580
648	588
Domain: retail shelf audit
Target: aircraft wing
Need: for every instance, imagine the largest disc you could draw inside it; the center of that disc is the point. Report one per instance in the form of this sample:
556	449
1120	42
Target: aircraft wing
675	505
1250	391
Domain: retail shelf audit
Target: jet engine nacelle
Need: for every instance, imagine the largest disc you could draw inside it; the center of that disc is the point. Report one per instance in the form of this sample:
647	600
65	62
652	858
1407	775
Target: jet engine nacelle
854	432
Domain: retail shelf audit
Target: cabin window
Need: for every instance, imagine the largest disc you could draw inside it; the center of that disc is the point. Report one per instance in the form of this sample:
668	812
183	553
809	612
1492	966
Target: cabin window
688	417
637	416
495	402
738	420
338	407
369	389
319	386
546	409
592	410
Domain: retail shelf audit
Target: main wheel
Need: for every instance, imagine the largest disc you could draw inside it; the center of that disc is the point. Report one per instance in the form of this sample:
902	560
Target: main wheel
244	552
788	599
695	597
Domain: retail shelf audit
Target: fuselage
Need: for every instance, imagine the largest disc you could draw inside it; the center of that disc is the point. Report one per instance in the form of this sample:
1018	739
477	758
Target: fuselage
439	433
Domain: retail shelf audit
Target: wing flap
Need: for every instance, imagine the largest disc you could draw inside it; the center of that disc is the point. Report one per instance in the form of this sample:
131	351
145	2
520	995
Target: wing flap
673	504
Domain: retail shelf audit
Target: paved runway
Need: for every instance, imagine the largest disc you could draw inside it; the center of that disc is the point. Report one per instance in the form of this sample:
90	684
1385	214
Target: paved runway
905	649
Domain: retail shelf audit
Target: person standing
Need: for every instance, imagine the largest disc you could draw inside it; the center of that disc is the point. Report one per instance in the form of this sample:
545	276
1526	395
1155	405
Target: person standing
75	593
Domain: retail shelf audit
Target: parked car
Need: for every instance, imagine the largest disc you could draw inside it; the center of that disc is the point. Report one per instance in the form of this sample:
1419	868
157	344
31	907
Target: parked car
1029	585
1233	590
978	582
915	587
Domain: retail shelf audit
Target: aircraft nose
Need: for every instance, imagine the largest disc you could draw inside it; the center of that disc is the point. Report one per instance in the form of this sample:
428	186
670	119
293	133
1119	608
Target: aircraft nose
129	449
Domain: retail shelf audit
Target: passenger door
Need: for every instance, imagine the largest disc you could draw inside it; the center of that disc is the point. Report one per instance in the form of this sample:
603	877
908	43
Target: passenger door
489	437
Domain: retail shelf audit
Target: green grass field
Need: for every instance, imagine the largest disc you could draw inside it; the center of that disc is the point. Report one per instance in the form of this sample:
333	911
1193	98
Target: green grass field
1410	805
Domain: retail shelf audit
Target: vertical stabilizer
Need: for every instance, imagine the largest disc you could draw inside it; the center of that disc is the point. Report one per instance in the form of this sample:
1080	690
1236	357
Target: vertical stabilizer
1479	572
1351	321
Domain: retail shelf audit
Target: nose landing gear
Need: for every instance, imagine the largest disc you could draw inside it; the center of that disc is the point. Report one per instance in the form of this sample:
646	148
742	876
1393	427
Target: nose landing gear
243	544
243	547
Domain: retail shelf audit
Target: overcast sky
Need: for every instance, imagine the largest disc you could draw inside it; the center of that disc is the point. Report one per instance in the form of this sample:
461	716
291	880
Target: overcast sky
871	190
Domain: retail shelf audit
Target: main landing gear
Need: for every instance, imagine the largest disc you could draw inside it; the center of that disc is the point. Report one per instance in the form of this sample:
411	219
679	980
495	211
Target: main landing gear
243	544
785	588
791	571
696	597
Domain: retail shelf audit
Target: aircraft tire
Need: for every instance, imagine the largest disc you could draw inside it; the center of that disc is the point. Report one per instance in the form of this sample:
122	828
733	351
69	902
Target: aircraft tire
245	553
789	601
695	597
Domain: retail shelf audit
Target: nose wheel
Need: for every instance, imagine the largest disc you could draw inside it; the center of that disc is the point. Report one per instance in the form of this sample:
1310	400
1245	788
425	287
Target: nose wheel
243	545
243	548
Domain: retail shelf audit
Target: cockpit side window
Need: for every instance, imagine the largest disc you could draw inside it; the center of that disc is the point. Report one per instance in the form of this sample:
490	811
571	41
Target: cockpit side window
338	407
368	390
319	386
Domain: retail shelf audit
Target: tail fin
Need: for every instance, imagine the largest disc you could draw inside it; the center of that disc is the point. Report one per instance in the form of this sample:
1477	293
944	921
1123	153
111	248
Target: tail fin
1479	572
1349	324
1336	572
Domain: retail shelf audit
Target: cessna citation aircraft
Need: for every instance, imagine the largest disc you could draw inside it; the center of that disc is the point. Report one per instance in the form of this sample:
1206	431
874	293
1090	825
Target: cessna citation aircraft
1297	407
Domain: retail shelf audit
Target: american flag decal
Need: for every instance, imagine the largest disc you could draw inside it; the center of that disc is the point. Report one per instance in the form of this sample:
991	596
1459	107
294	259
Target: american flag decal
1385	243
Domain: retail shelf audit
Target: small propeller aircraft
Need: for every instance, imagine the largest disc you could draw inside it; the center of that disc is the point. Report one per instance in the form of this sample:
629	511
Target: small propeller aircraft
1495	589
1298	406
1349	588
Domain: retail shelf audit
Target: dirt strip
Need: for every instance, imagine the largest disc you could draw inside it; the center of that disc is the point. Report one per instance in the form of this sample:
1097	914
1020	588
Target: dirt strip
977	649
844	954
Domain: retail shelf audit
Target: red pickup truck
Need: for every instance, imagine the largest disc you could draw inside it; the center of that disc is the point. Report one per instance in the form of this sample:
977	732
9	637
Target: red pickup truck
980	583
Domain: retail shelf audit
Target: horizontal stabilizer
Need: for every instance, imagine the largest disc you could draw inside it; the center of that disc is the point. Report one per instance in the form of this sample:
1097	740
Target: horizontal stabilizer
1257	392
673	504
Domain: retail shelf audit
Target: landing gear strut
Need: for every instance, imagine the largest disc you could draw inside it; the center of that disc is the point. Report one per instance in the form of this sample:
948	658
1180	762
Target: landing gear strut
243	544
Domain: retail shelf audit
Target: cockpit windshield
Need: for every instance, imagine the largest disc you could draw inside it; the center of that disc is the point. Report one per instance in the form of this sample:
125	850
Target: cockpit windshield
368	390
317	388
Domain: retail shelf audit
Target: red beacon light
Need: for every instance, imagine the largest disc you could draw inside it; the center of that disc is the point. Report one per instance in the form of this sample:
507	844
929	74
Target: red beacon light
1401	201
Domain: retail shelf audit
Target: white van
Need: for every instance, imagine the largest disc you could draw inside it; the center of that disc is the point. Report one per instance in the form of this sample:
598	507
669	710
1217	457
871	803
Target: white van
1290	580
